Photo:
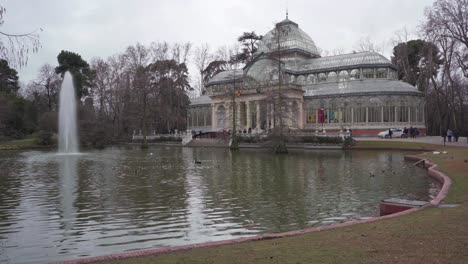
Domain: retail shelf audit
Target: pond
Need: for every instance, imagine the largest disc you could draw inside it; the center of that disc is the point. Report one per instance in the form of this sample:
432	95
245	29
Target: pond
55	207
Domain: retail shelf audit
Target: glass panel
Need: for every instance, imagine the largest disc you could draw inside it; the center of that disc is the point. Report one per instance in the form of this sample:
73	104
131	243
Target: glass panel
381	73
389	113
332	77
322	77
368	73
375	114
355	74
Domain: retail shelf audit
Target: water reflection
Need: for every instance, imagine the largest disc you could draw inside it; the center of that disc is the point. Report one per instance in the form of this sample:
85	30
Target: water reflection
120	199
68	175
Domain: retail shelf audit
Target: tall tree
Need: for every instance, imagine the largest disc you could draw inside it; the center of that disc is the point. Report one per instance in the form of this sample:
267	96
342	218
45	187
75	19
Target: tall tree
446	26
101	83
49	81
8	78
169	80
249	45
449	18
201	58
417	61
79	68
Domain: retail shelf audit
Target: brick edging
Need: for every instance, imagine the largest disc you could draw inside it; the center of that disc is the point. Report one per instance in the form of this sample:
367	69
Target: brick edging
445	181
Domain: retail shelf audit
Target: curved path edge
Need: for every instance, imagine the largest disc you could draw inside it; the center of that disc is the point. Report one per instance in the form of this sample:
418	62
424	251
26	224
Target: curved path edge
443	179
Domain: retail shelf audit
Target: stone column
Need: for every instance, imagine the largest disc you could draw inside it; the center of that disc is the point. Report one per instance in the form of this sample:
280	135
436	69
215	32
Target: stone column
409	114
352	115
258	114
248	115
301	115
272	115
396	114
214	118
238	115
423	113
367	114
381	114
289	117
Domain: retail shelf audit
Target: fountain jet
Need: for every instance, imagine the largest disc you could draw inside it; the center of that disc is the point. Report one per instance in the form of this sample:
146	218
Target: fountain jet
68	132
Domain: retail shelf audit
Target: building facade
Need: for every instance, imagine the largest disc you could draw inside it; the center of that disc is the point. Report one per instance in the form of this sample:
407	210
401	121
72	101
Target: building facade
288	82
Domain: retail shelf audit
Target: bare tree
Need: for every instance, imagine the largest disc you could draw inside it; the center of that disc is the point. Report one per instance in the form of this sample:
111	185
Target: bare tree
50	81
446	26
367	44
333	52
201	59
15	47
102	82
449	19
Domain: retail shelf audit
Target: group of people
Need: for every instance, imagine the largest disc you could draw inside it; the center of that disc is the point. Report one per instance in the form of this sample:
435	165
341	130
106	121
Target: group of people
449	134
411	132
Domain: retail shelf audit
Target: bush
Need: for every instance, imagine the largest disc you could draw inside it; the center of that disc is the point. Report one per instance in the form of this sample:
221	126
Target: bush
163	139
249	139
44	138
349	141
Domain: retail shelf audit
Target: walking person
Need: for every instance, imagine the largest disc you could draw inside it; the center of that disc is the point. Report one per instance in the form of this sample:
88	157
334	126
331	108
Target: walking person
444	135
456	135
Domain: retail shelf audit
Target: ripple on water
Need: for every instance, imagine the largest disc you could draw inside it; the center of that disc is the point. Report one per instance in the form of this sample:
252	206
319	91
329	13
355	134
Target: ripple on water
55	207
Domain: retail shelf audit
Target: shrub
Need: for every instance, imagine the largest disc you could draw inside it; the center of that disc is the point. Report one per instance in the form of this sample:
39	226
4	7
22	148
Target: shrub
44	138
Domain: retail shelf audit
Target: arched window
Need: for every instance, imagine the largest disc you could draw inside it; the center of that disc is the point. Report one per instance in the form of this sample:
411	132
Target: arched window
332	77
344	76
322	77
312	79
301	80
343	79
355	75
292	79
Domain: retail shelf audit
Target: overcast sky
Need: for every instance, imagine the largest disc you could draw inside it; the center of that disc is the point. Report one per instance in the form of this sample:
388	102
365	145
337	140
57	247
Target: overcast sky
105	27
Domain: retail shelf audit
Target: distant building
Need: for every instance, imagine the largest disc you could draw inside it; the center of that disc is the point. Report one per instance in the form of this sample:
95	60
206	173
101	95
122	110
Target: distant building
358	90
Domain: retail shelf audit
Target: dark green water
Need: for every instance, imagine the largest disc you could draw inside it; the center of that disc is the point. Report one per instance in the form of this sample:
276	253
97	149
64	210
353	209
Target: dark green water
56	207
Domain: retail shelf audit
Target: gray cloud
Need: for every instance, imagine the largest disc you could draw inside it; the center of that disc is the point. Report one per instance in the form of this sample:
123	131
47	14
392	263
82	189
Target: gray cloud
103	28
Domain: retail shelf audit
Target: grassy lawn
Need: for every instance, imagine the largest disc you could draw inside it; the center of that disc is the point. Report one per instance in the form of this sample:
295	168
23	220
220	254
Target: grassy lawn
429	236
396	145
22	142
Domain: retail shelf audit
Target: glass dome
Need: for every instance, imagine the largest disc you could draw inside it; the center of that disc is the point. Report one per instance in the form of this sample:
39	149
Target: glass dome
290	38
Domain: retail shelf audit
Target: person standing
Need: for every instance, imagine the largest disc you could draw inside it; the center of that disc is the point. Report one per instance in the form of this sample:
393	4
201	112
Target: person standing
444	135
390	132
449	135
456	135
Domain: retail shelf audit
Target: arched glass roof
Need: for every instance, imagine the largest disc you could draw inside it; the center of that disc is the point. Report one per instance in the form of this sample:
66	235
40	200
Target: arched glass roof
290	36
263	70
360	87
342	61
